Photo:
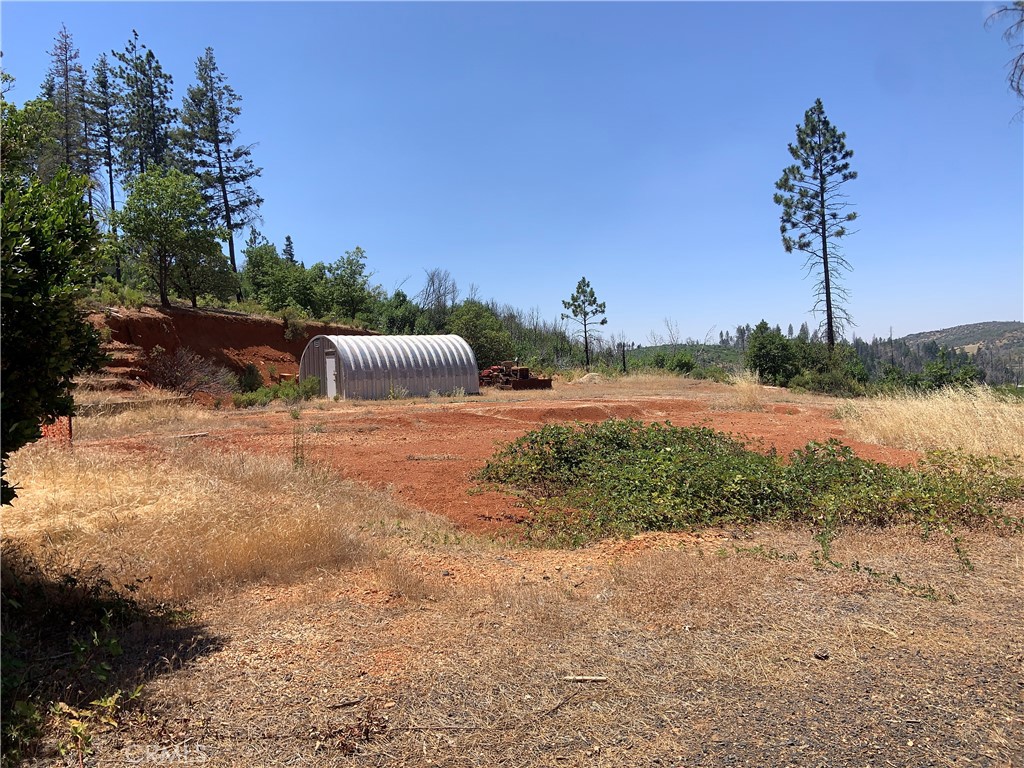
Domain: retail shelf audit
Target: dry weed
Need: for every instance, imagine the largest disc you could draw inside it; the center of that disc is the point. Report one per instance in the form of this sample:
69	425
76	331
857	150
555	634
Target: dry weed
193	521
402	579
160	418
750	393
973	420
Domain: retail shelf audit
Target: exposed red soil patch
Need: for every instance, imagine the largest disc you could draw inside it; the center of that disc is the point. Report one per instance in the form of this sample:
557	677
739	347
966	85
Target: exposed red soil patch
427	454
230	338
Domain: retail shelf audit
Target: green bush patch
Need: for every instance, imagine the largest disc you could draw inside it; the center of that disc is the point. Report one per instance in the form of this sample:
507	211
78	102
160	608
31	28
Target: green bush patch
620	477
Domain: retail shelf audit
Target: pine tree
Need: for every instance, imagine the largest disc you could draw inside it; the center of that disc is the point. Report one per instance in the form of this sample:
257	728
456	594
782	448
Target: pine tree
814	208
101	101
145	116
208	138
289	249
585	309
65	89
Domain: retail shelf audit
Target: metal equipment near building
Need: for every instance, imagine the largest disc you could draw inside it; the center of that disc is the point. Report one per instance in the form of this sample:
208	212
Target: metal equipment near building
508	375
382	367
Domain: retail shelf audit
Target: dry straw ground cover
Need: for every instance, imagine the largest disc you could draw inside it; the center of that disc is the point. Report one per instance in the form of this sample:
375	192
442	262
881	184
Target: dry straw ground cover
976	420
316	622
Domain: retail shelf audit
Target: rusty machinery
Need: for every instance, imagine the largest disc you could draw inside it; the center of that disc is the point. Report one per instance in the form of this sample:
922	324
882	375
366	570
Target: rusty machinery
508	375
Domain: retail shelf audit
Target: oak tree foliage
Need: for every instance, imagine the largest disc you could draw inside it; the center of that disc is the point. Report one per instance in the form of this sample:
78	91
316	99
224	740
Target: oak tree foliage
165	226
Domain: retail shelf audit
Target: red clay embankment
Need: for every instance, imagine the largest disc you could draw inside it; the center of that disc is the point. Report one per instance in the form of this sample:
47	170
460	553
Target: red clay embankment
230	338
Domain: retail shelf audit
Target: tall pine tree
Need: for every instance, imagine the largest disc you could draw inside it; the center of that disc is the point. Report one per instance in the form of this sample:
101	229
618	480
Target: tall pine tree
814	215
65	89
585	309
102	103
145	116
209	141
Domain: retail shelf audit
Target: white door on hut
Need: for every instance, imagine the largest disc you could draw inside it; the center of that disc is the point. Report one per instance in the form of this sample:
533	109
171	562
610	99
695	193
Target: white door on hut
331	374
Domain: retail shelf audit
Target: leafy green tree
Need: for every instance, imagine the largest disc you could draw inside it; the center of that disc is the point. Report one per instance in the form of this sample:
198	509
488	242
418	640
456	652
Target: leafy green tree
165	225
814	215
483	331
204	272
947	371
349	284
585	309
397	314
47	264
144	116
261	258
28	139
770	355
209	140
681	362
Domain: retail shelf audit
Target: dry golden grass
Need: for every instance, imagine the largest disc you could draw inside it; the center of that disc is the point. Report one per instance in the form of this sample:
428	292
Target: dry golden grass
160	419
749	392
975	421
195	520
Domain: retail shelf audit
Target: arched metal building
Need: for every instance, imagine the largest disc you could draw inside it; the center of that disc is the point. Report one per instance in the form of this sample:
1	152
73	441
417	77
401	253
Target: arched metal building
379	367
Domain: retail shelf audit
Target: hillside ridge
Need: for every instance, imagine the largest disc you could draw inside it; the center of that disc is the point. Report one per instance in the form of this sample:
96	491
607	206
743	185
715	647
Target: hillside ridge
992	334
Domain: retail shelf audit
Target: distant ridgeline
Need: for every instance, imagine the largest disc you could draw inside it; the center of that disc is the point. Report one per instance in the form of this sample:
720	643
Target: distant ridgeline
996	348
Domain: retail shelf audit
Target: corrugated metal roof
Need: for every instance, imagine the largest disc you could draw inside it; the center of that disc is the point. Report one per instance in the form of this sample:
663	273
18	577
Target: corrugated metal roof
379	367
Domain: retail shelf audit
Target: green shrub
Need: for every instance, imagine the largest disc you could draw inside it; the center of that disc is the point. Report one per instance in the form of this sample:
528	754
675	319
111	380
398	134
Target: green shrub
828	383
262	396
682	362
621	477
295	323
110	293
711	373
309	388
289	391
251	378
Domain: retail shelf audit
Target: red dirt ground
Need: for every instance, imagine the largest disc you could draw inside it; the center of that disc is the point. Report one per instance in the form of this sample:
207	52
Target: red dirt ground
427	453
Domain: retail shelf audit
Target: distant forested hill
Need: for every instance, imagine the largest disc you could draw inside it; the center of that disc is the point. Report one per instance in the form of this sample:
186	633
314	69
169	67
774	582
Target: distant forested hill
997	348
995	335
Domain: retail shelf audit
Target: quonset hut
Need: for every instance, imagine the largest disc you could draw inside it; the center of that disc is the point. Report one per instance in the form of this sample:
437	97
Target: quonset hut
379	367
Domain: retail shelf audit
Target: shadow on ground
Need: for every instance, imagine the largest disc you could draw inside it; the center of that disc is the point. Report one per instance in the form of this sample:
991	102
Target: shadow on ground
77	649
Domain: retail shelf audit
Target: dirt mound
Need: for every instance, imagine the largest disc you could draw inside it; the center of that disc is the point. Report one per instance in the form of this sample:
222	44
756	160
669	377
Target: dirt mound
230	338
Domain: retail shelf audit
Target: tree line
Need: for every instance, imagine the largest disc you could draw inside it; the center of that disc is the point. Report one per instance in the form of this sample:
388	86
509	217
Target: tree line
187	178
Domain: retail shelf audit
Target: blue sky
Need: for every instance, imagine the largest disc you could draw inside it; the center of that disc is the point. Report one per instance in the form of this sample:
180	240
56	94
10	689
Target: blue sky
522	145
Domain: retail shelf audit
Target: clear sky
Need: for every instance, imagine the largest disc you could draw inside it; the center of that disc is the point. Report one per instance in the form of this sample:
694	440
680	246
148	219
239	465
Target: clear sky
522	145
